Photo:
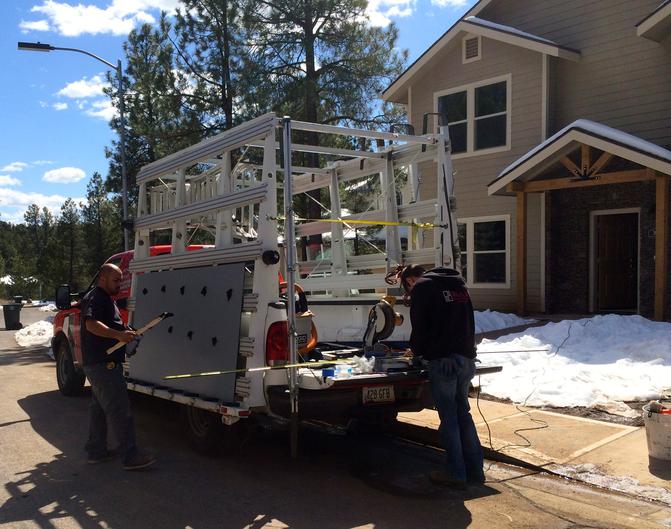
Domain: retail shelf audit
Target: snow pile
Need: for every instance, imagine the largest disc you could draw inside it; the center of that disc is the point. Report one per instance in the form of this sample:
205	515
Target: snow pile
49	307
490	320
592	362
37	334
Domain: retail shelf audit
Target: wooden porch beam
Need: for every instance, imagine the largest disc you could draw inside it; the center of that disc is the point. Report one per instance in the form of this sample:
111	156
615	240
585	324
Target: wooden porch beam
585	160
619	177
600	163
521	253
661	243
573	168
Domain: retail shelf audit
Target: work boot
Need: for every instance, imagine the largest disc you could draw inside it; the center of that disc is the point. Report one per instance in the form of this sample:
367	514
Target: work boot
440	477
139	461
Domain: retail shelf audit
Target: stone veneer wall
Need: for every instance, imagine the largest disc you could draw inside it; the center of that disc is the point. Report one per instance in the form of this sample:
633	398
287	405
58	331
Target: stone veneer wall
567	243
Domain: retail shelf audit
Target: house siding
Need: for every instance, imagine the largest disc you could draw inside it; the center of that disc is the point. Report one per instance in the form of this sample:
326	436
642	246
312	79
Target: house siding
474	172
622	80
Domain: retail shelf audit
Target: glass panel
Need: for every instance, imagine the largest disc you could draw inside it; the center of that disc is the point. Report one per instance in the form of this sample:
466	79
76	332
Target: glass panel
464	266
453	106
458	137
490	132
490	99
461	230
490	267
489	236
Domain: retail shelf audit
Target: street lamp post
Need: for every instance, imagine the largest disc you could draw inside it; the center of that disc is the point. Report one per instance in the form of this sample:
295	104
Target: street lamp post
39	46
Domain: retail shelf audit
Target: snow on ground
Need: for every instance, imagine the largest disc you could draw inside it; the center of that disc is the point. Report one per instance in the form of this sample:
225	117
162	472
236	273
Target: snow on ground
490	320
590	473
594	362
36	334
49	307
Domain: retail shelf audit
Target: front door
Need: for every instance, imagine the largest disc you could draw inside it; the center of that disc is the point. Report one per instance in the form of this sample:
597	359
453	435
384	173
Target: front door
616	262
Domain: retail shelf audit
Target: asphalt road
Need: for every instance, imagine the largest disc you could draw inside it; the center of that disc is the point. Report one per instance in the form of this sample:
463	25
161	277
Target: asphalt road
371	482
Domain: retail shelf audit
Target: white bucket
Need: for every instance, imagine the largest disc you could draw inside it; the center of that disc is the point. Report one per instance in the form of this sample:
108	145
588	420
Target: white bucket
658	433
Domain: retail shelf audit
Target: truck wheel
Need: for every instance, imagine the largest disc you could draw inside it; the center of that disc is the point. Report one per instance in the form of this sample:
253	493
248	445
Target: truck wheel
206	433
70	380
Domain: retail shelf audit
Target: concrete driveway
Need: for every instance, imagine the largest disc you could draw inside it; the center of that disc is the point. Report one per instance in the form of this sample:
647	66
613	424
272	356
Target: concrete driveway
369	482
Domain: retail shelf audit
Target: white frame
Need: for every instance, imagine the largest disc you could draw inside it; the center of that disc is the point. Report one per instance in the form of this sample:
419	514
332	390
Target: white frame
470	114
592	254
464	59
469	222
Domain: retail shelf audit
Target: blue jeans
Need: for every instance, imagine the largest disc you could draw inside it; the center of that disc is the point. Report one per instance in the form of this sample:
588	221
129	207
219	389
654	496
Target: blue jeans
450	380
109	401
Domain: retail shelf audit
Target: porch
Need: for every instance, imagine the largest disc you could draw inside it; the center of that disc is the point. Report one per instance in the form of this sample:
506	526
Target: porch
606	198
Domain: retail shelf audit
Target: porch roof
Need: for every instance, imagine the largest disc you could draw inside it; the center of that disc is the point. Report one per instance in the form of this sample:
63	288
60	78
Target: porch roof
657	24
581	132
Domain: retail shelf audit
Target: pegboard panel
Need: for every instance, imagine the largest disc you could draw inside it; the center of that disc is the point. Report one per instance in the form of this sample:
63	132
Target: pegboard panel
203	335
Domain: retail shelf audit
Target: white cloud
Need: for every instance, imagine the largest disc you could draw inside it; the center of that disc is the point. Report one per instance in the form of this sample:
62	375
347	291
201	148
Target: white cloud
6	180
60	106
380	11
451	3
42	162
43	104
101	109
64	175
14	203
118	18
14	167
84	88
35	25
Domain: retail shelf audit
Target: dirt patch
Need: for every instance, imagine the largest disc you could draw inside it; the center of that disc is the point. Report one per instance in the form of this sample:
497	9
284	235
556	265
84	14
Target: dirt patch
583	411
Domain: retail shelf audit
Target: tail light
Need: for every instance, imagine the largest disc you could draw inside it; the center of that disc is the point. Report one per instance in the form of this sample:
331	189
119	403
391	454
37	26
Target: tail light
277	343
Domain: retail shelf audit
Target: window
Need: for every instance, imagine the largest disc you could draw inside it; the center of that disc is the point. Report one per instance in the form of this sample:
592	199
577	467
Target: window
485	251
478	116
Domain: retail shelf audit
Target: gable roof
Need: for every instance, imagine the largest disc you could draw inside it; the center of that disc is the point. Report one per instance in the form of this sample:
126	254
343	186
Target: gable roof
587	132
478	26
657	24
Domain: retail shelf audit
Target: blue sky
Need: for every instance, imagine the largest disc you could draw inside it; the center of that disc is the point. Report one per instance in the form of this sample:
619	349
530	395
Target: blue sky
54	114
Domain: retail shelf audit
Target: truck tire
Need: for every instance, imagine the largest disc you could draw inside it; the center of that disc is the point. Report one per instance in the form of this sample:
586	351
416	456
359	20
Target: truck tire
70	380
206	433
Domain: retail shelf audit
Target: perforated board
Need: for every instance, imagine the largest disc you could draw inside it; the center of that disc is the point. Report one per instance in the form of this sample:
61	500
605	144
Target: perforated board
203	335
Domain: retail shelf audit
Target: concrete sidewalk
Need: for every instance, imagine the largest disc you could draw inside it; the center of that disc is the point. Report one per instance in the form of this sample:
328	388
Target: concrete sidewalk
604	454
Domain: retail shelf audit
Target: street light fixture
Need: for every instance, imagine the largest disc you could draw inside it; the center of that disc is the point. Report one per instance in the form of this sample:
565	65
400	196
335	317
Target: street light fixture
39	46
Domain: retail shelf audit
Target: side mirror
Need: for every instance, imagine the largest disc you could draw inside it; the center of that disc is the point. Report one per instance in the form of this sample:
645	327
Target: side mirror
63	297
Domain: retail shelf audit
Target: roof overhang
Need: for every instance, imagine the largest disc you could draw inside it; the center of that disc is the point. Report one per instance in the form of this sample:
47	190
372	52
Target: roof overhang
581	132
657	25
396	91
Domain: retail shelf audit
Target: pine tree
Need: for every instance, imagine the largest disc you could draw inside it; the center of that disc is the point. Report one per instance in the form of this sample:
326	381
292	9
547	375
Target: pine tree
210	52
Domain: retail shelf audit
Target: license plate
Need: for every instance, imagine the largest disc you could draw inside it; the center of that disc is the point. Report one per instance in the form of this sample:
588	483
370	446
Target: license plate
378	394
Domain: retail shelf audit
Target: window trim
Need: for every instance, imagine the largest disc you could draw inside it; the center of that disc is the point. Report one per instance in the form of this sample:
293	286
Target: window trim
470	114
470	36
470	240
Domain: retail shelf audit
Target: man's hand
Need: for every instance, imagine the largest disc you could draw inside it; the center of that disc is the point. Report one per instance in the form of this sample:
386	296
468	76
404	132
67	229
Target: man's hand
126	336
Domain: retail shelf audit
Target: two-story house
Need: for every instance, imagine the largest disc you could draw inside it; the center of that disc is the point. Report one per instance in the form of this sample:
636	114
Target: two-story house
559	116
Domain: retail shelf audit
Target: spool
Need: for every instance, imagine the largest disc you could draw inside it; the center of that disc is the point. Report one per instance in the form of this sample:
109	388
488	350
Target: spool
658	433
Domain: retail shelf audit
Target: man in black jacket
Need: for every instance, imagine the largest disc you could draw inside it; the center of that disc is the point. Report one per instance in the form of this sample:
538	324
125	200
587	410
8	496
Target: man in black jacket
102	328
443	333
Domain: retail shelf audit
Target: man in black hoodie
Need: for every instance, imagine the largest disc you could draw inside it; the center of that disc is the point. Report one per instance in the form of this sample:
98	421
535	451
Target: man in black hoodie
443	333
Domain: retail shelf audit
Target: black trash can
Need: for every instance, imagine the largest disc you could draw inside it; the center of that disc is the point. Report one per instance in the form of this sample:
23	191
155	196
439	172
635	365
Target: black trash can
12	313
17	299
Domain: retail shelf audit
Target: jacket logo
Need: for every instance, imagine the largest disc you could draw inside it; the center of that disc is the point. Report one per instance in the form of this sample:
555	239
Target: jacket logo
460	296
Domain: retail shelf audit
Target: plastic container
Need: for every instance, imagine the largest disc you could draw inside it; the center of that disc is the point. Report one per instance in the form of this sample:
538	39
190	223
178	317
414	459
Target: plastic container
658	433
12	314
343	371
